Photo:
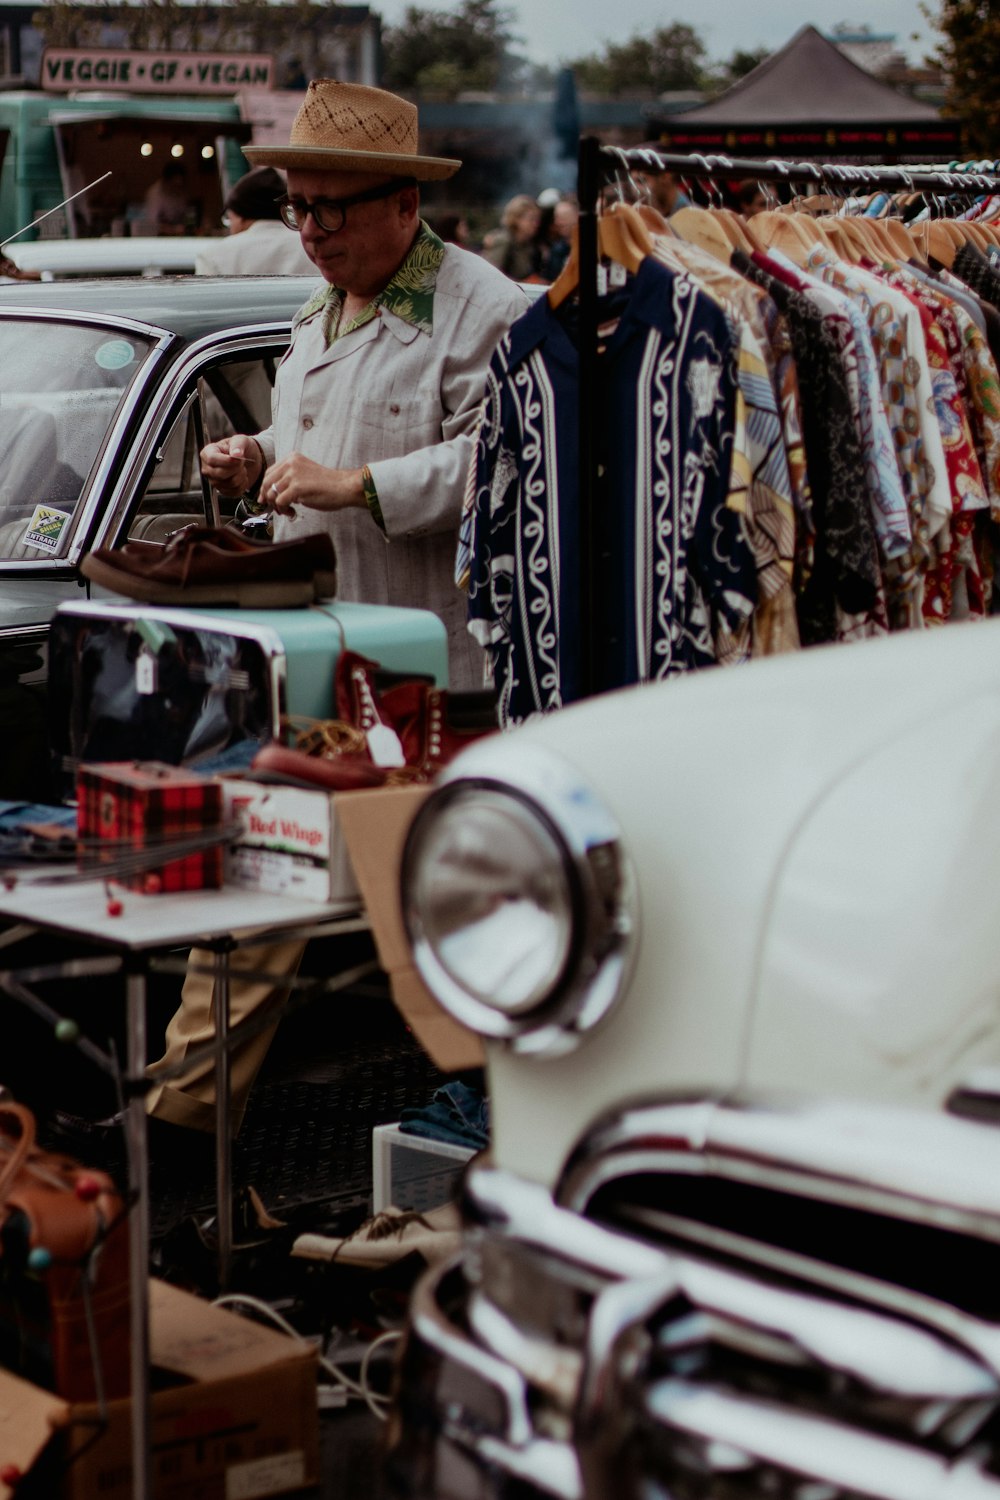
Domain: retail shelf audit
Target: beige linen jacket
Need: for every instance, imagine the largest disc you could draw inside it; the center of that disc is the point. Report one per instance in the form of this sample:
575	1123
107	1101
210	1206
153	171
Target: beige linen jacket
406	403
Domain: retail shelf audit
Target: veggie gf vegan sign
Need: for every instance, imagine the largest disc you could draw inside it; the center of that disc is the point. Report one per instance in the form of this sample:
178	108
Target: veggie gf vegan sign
112	68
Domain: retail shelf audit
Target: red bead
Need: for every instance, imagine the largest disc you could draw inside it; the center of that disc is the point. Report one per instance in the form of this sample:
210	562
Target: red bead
10	1475
153	884
87	1188
115	907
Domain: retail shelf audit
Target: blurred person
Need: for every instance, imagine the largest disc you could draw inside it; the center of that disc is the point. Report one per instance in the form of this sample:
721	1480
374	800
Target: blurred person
453	229
750	199
513	248
565	215
257	242
166	203
665	191
9	271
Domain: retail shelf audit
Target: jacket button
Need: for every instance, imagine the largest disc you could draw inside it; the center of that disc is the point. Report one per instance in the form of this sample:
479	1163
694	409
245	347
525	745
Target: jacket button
394	409
307	423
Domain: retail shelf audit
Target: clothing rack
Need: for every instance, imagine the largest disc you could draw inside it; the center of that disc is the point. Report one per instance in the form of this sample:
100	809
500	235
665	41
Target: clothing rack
599	164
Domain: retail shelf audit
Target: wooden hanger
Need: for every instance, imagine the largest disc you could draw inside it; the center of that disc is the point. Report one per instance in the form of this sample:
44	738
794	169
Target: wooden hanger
654	220
621	236
700	226
936	239
734	227
784	232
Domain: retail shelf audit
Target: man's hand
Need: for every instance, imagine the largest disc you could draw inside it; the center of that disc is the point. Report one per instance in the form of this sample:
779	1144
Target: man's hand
297	480
233	465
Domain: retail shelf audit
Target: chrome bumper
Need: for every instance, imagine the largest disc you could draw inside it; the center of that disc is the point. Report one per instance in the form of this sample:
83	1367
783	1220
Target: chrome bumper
462	1426
559	1358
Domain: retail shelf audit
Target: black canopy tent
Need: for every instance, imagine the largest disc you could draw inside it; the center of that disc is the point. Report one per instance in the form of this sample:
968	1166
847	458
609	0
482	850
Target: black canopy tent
808	99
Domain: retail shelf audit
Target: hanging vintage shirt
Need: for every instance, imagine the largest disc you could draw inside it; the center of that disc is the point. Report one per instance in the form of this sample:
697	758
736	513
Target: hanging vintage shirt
890	513
760	487
676	573
844	579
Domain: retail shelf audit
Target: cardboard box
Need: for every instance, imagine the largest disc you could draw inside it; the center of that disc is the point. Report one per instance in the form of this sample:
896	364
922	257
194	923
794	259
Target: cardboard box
374	825
133	804
239	1422
291	845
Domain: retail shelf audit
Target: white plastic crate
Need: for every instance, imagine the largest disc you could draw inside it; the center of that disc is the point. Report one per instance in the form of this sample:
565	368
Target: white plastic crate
411	1172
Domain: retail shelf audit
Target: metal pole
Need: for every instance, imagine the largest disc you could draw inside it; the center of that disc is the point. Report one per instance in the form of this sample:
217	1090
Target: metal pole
588	189
223	1129
841	174
138	1238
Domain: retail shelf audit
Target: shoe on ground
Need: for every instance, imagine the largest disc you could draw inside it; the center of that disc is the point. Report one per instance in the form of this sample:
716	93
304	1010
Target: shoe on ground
205	565
388	1237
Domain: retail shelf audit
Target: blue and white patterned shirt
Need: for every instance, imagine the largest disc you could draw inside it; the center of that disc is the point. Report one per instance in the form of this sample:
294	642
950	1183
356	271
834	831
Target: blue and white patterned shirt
678	576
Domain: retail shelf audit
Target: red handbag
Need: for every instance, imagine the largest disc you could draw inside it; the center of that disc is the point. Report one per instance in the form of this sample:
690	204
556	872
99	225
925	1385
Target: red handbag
64	1287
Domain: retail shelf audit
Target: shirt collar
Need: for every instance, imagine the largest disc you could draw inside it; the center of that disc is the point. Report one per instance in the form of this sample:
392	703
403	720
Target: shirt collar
409	295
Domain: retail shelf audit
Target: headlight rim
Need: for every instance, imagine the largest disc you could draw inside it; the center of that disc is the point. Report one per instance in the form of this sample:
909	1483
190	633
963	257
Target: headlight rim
604	934
474	1012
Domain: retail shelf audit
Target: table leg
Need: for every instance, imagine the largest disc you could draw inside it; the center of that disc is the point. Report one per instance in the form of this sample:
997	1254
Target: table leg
223	1132
138	1242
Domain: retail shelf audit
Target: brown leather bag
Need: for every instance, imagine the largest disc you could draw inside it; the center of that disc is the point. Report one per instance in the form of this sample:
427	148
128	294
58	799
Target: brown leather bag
63	1245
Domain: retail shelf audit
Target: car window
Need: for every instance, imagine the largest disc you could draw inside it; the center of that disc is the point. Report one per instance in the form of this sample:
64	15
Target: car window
230	396
61	385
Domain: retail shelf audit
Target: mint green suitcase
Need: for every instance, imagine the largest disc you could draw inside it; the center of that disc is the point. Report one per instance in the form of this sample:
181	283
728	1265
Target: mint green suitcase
196	687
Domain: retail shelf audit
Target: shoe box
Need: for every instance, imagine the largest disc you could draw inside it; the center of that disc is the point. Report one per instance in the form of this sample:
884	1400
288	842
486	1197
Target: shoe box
374	825
205	688
412	1172
234	1413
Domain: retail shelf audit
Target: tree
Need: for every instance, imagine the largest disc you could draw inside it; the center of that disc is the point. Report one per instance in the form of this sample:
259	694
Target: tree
969	56
672	57
469	48
172	25
742	62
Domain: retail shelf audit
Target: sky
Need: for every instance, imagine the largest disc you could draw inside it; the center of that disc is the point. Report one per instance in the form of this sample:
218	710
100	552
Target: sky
554	31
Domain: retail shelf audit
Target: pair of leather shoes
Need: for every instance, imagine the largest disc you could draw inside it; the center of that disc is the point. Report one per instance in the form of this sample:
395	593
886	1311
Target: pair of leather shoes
218	565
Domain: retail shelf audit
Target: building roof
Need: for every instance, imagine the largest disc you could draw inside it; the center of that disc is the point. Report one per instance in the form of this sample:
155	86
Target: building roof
808	81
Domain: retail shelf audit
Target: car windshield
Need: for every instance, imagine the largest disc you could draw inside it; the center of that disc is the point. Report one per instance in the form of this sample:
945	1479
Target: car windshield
60	387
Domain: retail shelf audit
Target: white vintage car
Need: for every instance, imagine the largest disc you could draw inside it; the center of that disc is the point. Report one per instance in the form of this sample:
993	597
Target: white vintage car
733	943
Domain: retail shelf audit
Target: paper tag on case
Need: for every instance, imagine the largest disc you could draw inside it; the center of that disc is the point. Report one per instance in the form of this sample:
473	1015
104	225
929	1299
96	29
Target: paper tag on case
274	1475
146	674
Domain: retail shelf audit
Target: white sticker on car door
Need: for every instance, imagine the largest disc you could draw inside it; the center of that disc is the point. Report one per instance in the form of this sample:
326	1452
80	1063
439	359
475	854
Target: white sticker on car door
45	528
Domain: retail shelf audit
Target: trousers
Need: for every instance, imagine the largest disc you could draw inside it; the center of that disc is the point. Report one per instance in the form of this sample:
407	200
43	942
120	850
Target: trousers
189	1098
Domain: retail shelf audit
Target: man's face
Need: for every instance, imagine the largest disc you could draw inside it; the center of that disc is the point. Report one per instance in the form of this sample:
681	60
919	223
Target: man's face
365	254
564	217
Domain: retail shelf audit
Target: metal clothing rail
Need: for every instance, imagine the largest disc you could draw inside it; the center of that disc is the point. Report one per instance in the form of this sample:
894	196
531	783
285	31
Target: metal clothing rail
598	164
839	174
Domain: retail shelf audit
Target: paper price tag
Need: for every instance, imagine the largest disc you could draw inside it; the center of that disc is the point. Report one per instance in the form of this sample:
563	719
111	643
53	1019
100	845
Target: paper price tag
275	1475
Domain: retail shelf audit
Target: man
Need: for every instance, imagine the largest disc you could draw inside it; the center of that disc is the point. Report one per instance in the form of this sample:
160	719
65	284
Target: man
258	244
373	414
665	190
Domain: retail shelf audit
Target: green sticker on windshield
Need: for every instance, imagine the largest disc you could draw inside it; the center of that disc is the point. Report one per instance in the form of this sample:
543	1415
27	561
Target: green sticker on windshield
115	354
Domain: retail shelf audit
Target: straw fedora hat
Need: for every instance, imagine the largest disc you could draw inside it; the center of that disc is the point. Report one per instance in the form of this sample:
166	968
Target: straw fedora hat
348	127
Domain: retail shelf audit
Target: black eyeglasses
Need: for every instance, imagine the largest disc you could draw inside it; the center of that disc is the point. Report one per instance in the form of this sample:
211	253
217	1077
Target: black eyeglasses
331	213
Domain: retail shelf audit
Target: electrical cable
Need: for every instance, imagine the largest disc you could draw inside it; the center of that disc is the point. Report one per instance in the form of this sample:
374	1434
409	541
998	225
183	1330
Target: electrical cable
358	1388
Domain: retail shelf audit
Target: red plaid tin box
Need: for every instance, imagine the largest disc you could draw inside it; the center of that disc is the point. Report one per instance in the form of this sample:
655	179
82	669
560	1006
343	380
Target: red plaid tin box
141	803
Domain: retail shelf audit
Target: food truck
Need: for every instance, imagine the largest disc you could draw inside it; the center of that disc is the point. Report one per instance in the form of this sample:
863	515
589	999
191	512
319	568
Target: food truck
116	112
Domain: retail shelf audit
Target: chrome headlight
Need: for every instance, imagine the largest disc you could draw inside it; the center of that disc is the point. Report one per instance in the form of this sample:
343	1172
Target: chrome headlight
518	898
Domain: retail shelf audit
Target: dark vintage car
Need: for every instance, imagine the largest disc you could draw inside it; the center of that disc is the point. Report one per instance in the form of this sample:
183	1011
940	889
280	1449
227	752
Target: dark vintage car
108	389
731	943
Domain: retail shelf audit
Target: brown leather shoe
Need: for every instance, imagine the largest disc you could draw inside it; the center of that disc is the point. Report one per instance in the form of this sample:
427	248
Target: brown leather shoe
217	565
